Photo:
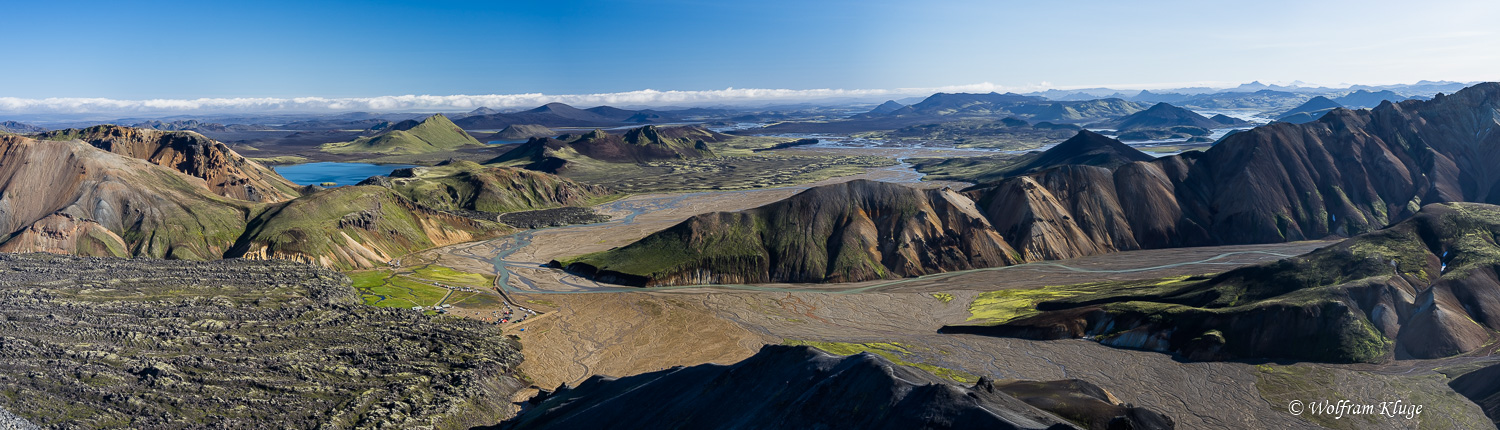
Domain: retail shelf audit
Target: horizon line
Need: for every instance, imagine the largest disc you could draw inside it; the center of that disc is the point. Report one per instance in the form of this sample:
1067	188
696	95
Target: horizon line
747	97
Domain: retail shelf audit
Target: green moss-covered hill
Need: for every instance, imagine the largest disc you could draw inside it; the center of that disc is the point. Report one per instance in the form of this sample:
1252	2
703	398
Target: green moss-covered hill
465	185
1424	288
433	134
639	145
353	227
853	231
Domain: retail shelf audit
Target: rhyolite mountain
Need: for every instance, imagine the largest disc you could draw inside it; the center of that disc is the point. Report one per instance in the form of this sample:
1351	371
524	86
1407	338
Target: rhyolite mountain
1348	173
122	192
638	145
223	170
1426	287
1310	111
432	134
801	387
523	131
854	231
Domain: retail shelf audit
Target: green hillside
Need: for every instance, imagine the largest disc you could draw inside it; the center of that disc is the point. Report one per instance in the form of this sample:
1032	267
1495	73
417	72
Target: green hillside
434	134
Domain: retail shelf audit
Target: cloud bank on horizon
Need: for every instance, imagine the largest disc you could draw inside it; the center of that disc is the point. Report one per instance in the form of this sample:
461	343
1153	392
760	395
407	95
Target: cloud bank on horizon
404	103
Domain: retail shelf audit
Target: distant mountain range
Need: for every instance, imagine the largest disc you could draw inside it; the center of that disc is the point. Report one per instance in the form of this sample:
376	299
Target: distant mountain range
638	145
562	115
19	128
1165	116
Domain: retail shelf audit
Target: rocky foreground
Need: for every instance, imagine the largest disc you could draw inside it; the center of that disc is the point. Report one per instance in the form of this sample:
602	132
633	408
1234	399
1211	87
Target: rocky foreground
102	342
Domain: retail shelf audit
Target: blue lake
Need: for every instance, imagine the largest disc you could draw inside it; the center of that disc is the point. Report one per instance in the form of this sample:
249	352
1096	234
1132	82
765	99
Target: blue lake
338	173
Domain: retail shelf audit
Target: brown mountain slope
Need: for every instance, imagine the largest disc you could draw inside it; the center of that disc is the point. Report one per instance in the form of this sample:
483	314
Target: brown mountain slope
855	231
1348	173
70	197
224	171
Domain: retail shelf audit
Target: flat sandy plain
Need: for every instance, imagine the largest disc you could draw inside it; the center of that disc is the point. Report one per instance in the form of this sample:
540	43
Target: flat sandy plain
587	328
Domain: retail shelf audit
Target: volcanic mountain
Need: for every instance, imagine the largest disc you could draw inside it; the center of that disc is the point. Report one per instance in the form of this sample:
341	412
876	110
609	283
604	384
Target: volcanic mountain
885	108
854	231
224	171
1426	287
638	145
1086	148
801	387
433	134
1164	116
1310	111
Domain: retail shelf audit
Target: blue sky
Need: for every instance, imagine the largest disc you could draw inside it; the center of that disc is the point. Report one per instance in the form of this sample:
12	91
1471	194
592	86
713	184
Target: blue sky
186	50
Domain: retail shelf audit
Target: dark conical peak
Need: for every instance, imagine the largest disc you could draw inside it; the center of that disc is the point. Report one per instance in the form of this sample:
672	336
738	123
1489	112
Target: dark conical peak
1164	107
404	125
553	107
1088	148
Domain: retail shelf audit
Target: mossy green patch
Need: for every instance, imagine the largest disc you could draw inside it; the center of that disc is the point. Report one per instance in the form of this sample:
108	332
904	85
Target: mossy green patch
385	288
894	352
943	297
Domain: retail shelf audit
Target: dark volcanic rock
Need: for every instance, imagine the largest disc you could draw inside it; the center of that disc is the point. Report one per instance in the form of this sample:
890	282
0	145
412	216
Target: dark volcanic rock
784	387
785	145
554	217
97	342
1481	386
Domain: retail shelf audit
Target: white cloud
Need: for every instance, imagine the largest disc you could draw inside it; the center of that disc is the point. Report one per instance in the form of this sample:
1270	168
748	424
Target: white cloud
427	103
